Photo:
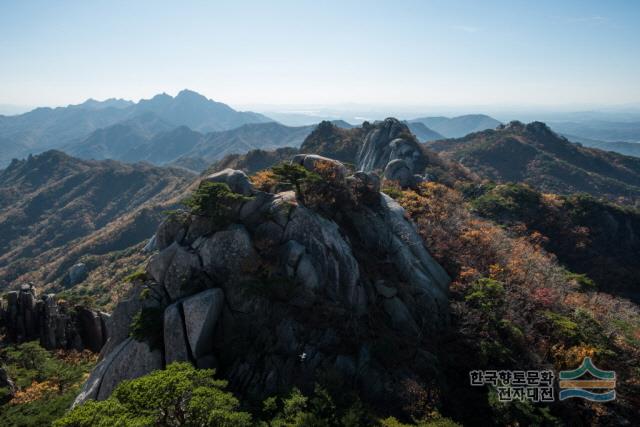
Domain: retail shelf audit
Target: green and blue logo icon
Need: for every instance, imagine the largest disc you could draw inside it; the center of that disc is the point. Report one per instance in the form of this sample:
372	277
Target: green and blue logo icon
572	386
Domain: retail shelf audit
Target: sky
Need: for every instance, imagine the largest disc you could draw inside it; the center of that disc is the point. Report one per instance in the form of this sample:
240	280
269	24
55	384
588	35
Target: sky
568	53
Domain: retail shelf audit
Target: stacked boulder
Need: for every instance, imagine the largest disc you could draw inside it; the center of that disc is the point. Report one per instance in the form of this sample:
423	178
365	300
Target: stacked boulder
56	325
281	294
390	147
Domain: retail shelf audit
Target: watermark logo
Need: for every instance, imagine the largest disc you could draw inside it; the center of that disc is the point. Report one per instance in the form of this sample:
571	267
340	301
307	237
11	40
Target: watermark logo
572	386
535	386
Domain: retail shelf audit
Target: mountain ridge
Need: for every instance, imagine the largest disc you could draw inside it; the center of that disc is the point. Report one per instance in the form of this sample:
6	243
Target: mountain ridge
55	209
534	154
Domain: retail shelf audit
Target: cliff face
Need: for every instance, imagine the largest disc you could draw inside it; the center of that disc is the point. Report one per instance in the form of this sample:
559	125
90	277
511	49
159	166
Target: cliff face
277	293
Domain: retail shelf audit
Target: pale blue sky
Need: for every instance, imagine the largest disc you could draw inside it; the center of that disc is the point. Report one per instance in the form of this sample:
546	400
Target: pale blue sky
323	52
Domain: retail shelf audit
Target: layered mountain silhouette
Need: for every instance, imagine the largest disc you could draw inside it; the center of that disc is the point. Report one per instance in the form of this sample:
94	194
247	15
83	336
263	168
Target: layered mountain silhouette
423	133
622	147
148	138
457	127
46	128
600	130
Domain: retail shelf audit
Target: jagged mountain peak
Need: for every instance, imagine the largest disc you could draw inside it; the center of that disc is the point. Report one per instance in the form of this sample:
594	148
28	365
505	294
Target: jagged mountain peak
92	103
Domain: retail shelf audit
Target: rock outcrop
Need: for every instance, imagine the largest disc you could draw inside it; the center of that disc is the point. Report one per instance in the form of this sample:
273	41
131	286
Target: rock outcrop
237	181
76	274
128	360
27	317
389	146
281	294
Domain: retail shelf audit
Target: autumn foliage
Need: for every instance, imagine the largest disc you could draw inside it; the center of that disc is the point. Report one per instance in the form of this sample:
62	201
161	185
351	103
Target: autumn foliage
514	305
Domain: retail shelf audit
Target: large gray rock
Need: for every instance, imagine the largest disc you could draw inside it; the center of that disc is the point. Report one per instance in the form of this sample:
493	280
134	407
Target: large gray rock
182	268
172	229
390	140
328	263
237	181
398	170
49	336
77	273
175	341
228	253
160	262
134	360
252	211
130	359
314	162
91	387
201	313
387	229
91	329
365	187
401	319
151	246
118	324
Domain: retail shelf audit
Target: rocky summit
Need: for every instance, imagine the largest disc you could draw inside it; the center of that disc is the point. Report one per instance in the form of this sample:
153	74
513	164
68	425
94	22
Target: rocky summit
273	289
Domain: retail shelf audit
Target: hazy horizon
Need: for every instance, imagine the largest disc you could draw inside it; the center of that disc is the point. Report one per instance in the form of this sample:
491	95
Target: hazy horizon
351	110
578	55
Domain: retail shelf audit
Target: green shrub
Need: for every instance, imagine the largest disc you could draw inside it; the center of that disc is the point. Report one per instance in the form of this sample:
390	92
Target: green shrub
513	200
392	192
136	276
437	421
27	363
214	200
563	327
294	176
178	395
146	326
486	294
40	412
585	283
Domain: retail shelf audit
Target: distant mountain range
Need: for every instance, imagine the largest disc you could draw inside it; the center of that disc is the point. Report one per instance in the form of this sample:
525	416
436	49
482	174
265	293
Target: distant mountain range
423	133
536	155
46	128
457	127
147	138
622	147
600	130
188	131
